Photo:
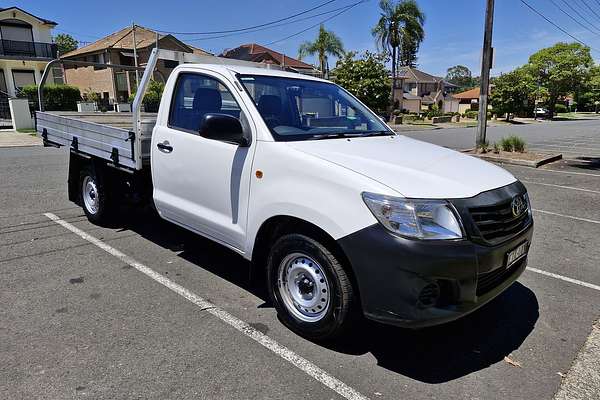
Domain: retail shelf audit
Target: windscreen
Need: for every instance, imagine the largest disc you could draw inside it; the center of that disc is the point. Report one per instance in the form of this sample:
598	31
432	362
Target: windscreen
302	109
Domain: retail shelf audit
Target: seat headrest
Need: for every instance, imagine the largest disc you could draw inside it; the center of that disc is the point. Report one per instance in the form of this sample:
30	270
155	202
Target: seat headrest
269	104
207	100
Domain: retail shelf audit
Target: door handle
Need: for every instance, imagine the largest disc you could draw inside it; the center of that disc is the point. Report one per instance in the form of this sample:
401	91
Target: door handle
165	147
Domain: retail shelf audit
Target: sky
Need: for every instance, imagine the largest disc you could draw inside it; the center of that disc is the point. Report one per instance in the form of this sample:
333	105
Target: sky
453	29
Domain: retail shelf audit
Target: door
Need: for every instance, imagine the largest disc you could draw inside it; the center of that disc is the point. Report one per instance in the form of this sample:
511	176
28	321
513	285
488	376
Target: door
200	183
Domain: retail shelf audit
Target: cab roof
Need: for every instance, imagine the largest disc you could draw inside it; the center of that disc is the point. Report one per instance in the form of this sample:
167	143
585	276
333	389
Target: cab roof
245	70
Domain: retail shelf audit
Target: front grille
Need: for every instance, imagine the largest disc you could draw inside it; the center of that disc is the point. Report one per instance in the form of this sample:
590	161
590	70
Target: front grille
489	280
497	223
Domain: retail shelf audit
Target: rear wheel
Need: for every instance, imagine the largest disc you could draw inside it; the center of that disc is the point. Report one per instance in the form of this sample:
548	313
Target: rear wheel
310	288
94	197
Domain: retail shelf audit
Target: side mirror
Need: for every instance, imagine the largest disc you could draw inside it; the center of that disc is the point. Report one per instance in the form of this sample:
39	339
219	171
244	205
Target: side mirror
225	128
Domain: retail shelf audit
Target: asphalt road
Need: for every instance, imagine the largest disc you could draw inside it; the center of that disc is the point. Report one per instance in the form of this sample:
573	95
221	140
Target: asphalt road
79	322
576	139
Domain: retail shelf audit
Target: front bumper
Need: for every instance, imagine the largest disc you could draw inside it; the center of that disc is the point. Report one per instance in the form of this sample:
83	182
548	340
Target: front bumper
417	283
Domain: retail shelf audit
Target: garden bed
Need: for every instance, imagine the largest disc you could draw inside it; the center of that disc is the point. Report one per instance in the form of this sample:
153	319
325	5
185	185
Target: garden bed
528	159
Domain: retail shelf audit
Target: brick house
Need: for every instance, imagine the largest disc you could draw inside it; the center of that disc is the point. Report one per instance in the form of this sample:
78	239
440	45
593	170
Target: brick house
413	84
257	53
114	85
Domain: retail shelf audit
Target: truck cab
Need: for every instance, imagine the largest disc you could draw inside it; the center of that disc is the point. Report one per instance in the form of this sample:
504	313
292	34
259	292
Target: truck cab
342	217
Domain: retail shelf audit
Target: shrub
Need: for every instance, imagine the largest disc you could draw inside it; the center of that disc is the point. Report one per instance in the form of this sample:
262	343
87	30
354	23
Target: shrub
56	97
496	148
560	108
513	143
484	147
152	97
472	114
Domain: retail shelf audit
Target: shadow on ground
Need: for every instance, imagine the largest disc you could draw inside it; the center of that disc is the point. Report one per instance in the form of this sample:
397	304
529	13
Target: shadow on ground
432	355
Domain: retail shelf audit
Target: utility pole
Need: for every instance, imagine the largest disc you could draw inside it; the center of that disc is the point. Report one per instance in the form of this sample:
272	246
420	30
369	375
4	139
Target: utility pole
486	66
135	59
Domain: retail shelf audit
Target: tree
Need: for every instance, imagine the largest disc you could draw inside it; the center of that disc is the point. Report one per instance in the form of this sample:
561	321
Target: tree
514	92
366	77
326	43
561	70
589	93
65	43
399	23
408	53
460	76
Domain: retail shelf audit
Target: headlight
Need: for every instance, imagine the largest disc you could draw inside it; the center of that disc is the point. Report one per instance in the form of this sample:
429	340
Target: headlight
419	219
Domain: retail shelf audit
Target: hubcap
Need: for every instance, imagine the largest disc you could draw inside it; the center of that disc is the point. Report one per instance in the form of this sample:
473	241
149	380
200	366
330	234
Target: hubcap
90	195
303	287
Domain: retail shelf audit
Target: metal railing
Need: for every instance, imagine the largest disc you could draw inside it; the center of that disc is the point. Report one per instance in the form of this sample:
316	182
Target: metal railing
27	49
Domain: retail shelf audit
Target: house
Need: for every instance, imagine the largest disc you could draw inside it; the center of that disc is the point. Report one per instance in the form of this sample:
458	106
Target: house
25	49
115	85
257	53
430	89
468	100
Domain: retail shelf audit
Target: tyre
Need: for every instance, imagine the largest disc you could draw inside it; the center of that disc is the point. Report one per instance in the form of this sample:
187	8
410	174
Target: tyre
309	287
94	197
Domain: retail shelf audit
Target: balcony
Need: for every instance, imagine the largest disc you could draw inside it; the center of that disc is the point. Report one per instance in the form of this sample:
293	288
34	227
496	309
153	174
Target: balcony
14	48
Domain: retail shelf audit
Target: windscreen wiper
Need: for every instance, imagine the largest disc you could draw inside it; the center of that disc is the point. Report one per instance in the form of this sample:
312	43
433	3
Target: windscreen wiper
335	135
377	133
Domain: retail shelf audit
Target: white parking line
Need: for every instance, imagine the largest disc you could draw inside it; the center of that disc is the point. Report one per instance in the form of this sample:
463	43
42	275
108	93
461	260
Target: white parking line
562	187
298	361
592	221
564	278
567	172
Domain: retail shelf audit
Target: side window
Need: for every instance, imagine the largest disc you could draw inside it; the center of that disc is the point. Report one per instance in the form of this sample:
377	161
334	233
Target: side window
197	95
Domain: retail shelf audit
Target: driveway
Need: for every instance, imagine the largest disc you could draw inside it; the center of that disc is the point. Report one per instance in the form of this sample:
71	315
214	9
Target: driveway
148	310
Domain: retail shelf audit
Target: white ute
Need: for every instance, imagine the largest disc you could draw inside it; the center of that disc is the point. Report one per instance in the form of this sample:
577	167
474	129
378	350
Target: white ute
341	216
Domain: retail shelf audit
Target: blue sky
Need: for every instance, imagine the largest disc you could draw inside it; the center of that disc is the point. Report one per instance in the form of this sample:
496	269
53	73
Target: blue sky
454	29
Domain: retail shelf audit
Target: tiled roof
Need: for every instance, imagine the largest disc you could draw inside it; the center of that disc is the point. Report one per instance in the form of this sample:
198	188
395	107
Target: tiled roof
123	39
258	53
415	75
469	94
45	21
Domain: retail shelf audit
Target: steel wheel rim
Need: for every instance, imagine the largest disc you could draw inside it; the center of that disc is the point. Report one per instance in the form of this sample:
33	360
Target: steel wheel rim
303	287
91	199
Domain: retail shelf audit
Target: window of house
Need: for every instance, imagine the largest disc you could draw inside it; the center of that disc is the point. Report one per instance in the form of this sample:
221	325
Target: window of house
16	30
3	87
22	78
197	95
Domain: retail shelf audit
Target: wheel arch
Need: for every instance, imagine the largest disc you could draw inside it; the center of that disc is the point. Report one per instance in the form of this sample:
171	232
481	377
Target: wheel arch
279	225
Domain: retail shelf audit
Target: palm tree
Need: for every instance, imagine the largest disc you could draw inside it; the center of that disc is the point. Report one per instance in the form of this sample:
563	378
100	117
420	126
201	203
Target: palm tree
399	23
326	43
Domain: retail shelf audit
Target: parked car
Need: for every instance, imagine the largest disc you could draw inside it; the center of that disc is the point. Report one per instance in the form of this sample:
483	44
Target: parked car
342	216
540	112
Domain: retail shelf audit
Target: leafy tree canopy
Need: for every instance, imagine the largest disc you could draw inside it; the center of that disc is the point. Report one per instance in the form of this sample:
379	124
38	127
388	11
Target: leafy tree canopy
65	43
461	76
365	77
561	69
514	92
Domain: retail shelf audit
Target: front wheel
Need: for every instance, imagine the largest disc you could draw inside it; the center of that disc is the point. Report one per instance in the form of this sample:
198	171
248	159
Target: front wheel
94	197
309	287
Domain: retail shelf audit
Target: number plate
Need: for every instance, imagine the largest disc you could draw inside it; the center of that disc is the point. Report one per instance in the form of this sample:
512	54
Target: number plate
515	254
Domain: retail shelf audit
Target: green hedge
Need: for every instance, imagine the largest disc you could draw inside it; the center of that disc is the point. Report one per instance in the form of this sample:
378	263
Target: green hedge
56	97
560	108
152	97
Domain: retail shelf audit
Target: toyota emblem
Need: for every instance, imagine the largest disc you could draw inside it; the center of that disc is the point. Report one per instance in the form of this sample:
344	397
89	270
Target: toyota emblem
518	206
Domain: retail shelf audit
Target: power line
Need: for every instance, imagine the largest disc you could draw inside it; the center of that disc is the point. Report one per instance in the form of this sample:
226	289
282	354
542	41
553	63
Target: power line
572	17
317	24
591	9
270	26
578	13
249	27
556	25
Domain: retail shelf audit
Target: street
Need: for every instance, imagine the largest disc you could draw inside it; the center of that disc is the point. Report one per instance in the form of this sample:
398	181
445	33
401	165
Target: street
149	310
574	139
